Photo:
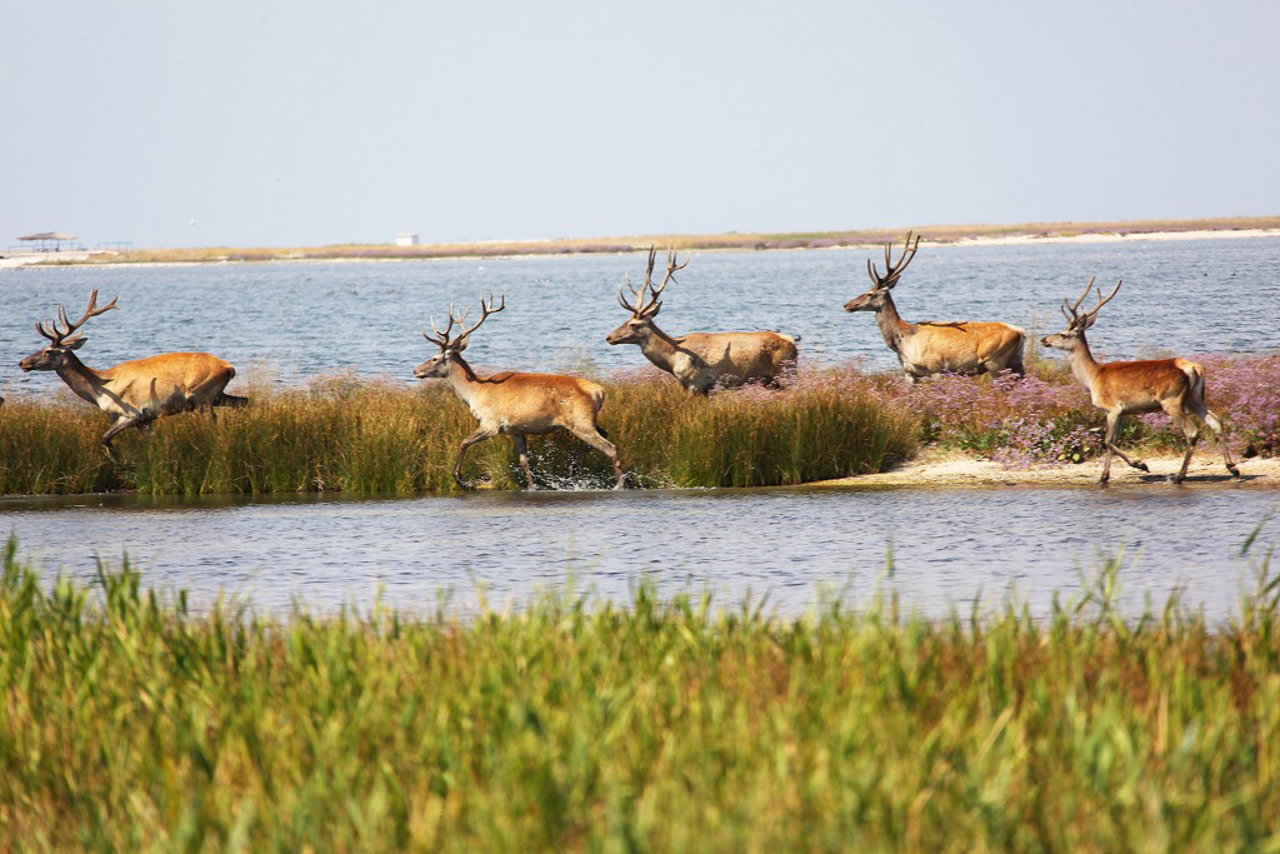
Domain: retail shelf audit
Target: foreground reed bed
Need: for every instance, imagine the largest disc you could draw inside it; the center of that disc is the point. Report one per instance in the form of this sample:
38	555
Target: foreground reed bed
343	433
128	723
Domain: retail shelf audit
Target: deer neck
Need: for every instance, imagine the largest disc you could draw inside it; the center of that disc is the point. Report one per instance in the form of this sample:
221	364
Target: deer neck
1083	365
82	379
892	326
659	348
462	379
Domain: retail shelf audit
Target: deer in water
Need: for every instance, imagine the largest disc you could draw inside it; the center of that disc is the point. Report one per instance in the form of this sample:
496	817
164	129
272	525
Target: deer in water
699	360
930	347
137	392
517	404
1121	388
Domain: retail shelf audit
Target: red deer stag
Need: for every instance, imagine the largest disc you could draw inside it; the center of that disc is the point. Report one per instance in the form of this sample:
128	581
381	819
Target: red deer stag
700	360
138	392
1121	388
517	404
931	347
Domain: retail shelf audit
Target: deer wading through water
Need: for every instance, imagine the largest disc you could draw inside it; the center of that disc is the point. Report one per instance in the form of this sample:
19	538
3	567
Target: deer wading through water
700	360
517	404
1121	388
138	392
931	347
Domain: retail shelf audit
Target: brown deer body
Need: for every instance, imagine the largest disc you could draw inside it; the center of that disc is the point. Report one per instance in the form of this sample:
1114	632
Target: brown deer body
700	360
137	392
930	347
517	404
1175	386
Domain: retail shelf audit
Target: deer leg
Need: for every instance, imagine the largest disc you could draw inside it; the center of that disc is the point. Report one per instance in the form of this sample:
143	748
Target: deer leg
1210	418
1113	426
1190	432
522	448
604	446
478	436
124	422
224	399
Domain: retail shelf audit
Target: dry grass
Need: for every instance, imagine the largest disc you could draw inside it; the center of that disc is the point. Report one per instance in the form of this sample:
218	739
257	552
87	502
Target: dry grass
366	437
732	240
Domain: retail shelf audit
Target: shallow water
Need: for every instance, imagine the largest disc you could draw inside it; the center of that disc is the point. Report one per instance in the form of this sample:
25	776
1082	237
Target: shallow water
948	546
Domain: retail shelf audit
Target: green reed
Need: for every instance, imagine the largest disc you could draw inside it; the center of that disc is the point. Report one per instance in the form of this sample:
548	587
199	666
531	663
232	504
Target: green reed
127	722
374	437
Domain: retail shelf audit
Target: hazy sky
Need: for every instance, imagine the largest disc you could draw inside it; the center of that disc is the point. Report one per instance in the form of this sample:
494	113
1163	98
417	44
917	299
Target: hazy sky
260	122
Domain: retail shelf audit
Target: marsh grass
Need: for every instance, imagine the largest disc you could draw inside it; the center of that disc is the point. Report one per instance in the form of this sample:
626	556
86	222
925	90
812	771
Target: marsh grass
370	436
127	722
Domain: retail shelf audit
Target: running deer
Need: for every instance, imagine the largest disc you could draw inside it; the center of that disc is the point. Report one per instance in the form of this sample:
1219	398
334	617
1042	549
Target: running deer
1120	388
138	392
517	404
931	347
700	360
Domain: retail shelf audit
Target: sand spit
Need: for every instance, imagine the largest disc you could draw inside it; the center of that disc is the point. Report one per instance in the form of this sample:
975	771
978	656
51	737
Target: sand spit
949	236
934	468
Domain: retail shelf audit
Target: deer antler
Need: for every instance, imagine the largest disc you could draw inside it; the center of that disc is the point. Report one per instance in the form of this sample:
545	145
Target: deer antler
59	336
1071	311
894	270
443	340
646	296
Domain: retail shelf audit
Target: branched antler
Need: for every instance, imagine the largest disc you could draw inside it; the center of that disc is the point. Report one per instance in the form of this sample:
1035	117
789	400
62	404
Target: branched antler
1075	320
894	270
443	339
60	336
647	303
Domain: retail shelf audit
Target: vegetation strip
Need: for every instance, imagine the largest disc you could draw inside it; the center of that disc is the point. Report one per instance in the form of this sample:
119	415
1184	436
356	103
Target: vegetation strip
368	437
129	723
732	240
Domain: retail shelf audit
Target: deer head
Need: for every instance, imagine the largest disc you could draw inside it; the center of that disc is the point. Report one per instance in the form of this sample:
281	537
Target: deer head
874	299
1069	338
451	346
647	303
62	340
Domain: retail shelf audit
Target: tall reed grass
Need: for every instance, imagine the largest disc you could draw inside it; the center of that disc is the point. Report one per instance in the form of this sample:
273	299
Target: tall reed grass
129	723
343	433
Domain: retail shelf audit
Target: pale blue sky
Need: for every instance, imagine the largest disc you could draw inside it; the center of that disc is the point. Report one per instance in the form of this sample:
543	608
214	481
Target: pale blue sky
171	123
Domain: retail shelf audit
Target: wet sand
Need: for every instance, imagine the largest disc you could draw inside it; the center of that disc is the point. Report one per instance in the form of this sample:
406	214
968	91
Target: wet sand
950	468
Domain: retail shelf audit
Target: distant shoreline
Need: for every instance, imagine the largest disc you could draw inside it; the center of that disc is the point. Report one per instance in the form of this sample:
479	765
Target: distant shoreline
944	235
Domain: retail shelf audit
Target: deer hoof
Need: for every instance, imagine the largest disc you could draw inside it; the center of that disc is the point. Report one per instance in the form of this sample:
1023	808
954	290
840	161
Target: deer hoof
1141	466
1175	478
1235	472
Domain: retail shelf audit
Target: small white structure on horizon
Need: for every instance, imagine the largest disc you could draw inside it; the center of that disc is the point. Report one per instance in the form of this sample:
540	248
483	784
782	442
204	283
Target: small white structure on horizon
407	238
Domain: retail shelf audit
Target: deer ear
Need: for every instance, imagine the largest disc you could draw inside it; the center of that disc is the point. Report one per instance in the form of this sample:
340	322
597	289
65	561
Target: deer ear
75	343
652	311
1089	321
461	344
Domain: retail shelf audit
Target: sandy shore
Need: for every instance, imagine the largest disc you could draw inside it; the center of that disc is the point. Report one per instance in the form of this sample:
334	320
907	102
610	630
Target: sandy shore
322	256
951	469
1114	237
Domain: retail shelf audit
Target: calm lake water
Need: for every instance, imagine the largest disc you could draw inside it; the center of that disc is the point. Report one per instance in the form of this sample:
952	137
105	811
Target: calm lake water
948	546
293	321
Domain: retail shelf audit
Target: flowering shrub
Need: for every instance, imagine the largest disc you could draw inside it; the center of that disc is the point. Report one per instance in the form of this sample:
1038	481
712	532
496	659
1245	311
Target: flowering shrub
1048	418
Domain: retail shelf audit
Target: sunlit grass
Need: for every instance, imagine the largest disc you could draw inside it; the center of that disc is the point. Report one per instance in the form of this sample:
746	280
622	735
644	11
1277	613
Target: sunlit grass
128	723
365	437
